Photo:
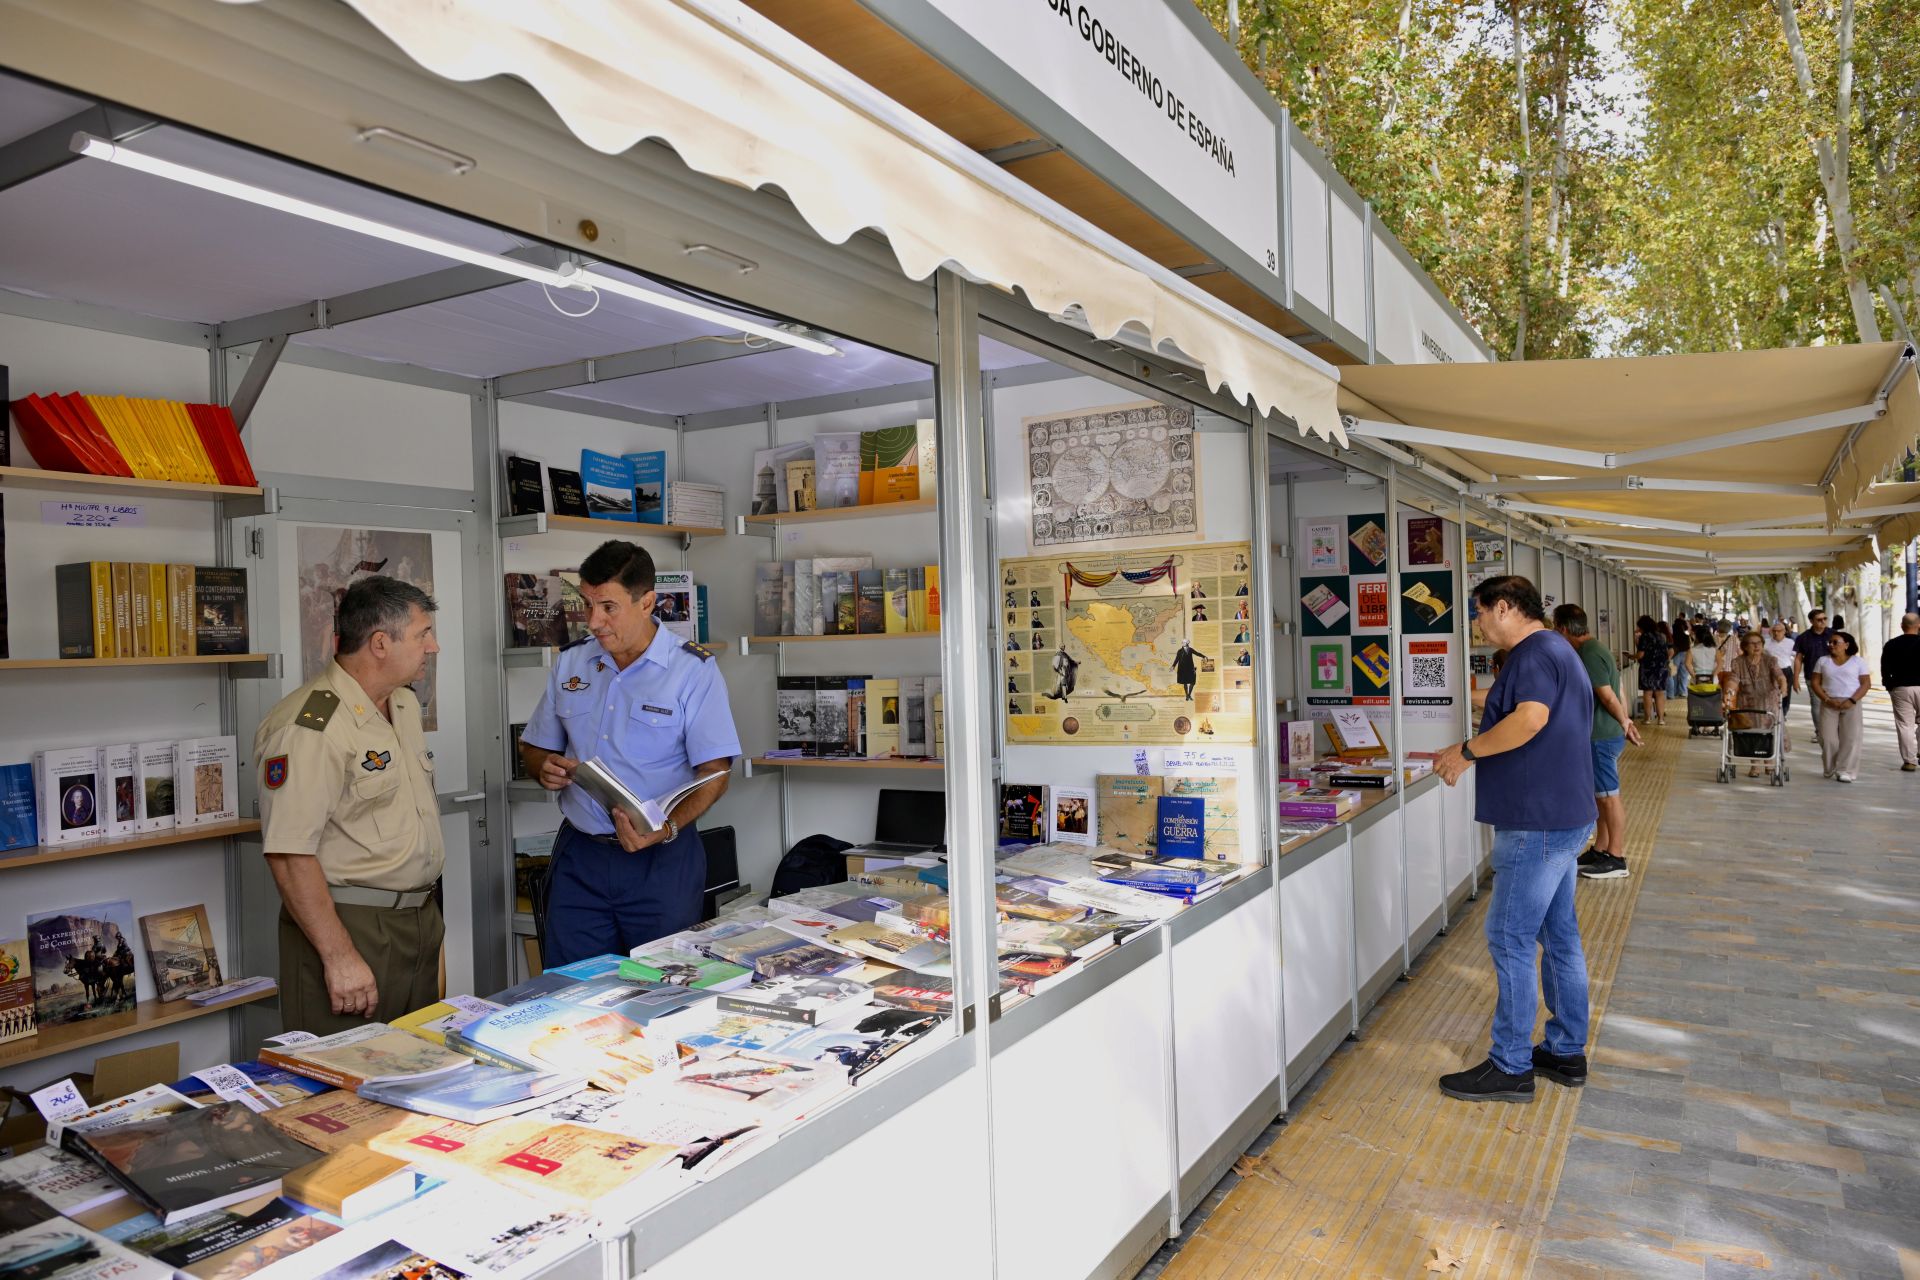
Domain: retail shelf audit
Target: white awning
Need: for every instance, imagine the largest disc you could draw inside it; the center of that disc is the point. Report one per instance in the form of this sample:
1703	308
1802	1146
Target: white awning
741	100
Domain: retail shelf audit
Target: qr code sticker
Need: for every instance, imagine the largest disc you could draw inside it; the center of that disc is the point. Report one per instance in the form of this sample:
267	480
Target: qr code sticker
1429	671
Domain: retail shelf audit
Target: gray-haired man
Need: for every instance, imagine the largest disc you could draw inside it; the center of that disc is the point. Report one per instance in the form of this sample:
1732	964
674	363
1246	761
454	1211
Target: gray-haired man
349	820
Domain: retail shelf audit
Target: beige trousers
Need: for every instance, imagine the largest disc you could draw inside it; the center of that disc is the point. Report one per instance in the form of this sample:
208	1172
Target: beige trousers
1840	740
1906	713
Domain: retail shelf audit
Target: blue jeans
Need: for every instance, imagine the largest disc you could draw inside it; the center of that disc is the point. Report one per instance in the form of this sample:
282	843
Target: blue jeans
1535	874
1677	683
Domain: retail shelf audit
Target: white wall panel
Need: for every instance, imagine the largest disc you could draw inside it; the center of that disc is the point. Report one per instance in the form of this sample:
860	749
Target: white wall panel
1311	264
1348	224
1224	1033
1426	854
1316	943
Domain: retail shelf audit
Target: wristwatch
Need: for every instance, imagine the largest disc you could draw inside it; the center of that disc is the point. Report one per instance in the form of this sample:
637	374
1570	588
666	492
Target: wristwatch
673	829
1466	752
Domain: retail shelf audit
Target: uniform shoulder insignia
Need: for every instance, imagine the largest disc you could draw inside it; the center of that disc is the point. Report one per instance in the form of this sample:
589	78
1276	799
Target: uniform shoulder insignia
698	650
317	709
575	644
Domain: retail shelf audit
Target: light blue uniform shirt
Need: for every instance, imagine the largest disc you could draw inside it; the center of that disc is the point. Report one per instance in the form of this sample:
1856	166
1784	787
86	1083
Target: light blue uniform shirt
650	724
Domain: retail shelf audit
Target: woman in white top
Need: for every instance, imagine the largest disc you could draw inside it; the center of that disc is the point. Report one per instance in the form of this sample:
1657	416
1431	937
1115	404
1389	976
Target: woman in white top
1840	680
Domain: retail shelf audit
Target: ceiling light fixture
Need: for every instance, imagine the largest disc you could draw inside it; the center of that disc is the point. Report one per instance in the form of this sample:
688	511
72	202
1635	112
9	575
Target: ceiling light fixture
583	279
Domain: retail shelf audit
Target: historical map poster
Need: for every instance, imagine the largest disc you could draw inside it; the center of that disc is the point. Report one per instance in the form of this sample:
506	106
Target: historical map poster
331	559
1125	471
1149	646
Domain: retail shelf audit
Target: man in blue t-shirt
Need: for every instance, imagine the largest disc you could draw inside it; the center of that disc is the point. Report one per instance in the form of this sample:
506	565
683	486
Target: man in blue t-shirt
1534	789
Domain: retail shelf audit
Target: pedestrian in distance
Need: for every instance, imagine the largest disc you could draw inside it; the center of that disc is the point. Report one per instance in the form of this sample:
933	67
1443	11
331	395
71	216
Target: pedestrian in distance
1900	673
1534	754
1612	730
1840	681
1652	650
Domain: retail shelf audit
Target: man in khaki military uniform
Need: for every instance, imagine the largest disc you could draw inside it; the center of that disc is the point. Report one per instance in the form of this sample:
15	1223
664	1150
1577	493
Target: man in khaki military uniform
350	823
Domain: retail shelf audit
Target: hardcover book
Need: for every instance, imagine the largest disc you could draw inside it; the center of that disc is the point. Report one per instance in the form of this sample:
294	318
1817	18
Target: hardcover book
16	993
123	645
219	609
649	485
536	610
83	609
609	485
180	610
896	604
882	710
193	1161
1128	811
82	962
180	952
205	781
153	771
19	815
569	493
1023	813
1071	817
870	602
119	791
800	491
526	490
150	1103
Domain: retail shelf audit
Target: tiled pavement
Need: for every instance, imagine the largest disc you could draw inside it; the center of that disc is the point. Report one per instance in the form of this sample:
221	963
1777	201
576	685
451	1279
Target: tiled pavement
1754	1107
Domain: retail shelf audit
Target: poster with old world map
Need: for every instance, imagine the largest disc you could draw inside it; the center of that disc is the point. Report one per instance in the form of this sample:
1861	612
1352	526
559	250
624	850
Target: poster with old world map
1148	646
1124	471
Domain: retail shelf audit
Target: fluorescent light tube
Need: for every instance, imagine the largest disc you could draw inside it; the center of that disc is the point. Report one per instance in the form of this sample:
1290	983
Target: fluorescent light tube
98	148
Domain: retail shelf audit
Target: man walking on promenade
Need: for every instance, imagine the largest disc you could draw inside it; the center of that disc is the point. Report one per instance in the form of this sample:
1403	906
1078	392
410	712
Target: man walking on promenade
1808	648
1534	752
1900	675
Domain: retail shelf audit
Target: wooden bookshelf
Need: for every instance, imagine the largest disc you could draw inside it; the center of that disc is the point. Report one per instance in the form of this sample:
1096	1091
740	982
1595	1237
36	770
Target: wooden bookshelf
39	854
919	506
37	478
865	635
880	762
544	522
145	1016
92	664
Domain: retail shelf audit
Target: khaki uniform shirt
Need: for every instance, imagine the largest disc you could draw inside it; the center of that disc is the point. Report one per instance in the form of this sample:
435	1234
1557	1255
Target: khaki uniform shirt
340	782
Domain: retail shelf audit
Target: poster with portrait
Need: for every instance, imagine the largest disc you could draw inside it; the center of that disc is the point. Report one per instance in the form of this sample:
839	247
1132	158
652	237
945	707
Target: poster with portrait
330	559
1114	473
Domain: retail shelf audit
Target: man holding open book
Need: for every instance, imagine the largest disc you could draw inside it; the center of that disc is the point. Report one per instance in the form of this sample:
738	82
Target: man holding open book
629	710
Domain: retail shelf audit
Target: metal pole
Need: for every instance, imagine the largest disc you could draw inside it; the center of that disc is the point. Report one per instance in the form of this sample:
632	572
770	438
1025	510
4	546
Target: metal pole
1397	675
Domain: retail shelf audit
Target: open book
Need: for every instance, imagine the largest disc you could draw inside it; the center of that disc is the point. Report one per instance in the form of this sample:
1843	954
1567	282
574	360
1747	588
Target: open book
648	816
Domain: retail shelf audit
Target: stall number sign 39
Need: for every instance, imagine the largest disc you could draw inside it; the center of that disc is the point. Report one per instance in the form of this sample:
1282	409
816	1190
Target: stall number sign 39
94	515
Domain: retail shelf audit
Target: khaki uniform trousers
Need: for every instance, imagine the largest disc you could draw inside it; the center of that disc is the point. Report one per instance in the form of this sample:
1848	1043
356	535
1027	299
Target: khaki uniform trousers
400	944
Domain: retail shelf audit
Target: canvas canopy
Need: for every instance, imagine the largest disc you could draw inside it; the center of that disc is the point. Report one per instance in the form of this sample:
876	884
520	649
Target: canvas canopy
743	101
1744	461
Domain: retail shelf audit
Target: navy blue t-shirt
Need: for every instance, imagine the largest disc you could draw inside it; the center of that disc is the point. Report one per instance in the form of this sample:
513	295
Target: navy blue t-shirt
1546	785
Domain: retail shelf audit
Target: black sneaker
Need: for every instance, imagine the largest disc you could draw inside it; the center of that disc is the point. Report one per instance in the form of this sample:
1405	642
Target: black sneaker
1592	858
1487	1083
1569	1071
1605	866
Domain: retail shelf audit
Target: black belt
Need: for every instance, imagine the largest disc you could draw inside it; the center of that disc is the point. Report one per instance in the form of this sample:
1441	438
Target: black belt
613	841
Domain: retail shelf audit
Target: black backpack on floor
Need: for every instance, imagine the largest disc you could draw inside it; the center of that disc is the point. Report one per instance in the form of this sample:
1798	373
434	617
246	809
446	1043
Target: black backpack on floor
815	861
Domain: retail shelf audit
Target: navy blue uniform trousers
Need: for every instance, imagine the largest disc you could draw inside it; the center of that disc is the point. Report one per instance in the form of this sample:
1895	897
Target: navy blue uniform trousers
603	900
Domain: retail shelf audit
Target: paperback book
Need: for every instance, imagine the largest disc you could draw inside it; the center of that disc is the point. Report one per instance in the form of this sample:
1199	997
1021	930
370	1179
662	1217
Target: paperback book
193	1161
478	1094
365	1055
805	1000
49	1247
180	952
16	991
82	962
697	973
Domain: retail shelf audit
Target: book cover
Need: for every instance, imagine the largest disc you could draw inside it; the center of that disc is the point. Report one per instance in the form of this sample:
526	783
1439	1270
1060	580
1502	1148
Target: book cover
153	779
638	1002
219	609
698	973
612	1051
55	1248
770	496
673	602
889	946
16	994
526	489
60	1180
1426	540
123	610
808	1000
869	464
836	480
67	795
536	610
1023	813
882	702
141	609
275	1084
205	781
479	1094
795	708
609	485
180	952
1080	939
730	1033
1114	899
160	604
766	598
1071	817
1183	827
896	607
758	1082
19	813
913	716
896	464
180	633
786	598
119	791
870	602
830	716
193	1161
1127	811
83	609
565	1164
808	960
569	493
150	1103
82	962
351	1183
649	485
361	1055
336	1120
921	992
1220	796
800	490
432	1022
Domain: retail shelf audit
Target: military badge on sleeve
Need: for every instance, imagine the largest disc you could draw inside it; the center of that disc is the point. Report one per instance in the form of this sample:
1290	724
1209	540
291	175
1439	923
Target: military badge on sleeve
376	761
276	773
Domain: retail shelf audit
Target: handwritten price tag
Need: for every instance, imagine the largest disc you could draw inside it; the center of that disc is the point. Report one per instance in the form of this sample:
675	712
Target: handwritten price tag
94	515
1140	765
59	1101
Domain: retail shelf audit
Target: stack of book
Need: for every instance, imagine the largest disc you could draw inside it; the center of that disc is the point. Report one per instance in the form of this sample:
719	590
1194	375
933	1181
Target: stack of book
126	436
858	717
108	609
844	596
696	506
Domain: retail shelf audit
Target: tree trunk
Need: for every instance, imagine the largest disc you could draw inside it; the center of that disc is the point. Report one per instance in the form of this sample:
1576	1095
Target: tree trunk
1831	155
1526	185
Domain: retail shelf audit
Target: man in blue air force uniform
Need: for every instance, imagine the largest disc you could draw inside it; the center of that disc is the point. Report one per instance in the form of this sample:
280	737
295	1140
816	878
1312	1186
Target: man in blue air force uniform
654	710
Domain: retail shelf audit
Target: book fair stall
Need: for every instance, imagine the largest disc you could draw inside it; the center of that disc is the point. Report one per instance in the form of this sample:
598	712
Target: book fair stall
1093	662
